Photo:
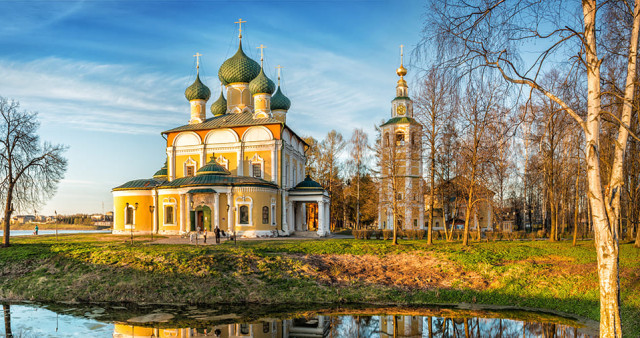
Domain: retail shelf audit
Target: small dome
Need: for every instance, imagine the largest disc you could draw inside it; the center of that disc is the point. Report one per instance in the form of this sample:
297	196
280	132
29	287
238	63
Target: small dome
309	184
262	84
279	101
212	168
401	71
220	106
197	91
238	68
162	173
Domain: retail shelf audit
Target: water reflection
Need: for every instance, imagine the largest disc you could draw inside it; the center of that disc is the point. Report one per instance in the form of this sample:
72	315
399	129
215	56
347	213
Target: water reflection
29	320
363	326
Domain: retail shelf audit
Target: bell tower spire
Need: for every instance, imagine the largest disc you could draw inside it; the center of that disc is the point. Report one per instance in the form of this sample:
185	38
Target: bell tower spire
402	105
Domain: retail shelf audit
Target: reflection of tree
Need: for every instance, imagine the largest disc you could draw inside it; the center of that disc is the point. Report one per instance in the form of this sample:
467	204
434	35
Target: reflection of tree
7	320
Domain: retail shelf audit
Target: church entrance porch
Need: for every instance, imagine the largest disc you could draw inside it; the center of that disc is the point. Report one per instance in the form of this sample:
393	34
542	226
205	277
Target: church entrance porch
201	218
309	213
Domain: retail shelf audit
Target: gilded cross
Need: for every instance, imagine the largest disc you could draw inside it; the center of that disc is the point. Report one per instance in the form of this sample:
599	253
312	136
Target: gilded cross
401	53
278	68
240	22
261	48
198	55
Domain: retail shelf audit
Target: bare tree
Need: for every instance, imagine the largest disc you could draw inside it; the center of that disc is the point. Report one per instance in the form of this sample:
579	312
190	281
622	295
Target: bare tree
330	149
359	146
29	170
436	101
489	33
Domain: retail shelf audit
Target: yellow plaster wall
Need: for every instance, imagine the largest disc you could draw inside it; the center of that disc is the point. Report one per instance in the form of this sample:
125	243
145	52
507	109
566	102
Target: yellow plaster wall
181	159
142	216
231	156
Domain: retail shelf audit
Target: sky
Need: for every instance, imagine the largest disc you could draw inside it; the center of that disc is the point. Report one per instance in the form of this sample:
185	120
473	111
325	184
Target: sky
107	77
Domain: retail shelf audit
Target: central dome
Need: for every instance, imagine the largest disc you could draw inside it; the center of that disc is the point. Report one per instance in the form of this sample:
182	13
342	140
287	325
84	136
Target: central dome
238	68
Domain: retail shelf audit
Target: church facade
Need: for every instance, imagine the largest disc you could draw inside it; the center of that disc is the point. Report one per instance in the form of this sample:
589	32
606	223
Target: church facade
239	168
401	201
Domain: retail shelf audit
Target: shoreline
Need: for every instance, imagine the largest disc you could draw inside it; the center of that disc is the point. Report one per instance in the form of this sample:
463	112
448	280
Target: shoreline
550	277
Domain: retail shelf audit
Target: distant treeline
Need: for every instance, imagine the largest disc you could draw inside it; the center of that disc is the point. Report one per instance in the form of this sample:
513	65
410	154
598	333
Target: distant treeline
75	219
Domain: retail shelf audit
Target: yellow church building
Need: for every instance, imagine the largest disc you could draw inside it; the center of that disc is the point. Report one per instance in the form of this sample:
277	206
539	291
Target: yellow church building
240	169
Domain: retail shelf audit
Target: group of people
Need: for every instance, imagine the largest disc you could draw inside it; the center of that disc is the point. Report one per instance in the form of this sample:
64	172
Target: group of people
216	231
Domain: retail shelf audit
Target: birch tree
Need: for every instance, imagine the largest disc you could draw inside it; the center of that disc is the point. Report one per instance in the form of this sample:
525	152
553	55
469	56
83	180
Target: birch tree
489	34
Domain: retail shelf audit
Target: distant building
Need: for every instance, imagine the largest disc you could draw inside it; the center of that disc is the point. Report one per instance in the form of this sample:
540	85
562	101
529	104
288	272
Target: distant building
23	218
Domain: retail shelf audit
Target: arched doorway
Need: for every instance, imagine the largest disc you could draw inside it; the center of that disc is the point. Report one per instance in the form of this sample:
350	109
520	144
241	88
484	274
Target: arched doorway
201	217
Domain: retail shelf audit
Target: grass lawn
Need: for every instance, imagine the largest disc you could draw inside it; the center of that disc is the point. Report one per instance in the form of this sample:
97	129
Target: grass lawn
99	267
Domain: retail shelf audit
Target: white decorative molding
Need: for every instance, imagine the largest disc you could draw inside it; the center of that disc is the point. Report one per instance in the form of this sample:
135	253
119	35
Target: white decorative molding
240	202
189	162
187	138
257	133
256	159
166	202
218	136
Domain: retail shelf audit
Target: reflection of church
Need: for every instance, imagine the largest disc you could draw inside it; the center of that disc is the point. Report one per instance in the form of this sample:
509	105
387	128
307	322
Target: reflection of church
240	169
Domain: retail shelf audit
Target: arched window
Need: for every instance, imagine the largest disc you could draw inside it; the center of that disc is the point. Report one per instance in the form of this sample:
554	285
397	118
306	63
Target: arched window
244	214
399	138
265	215
128	217
386	139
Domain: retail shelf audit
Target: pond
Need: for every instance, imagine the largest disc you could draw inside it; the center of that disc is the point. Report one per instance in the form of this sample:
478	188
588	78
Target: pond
96	320
53	232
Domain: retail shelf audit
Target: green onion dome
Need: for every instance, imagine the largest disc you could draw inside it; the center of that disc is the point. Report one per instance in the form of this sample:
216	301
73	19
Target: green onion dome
162	173
279	101
220	106
262	84
212	168
238	68
197	91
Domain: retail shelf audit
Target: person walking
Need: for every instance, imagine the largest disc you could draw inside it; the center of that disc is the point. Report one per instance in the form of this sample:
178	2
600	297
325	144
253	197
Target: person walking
35	231
217	233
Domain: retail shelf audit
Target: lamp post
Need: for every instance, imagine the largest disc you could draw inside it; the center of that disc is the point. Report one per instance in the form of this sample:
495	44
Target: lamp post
151	209
135	208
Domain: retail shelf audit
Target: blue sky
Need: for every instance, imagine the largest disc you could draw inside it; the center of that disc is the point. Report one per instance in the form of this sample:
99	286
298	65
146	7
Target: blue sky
107	77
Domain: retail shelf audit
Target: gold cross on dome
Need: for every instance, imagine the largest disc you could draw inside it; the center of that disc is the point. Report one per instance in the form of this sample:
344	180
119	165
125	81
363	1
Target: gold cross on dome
261	48
198	55
240	22
278	67
401	54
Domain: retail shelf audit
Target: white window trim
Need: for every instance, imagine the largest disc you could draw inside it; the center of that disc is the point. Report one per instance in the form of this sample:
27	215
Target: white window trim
133	221
240	201
256	159
169	202
187	163
223	161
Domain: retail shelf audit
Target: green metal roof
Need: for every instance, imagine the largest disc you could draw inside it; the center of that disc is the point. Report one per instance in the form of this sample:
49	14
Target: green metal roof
140	184
308	184
217	180
212	168
220	106
279	101
238	68
262	84
401	120
401	98
201	191
197	91
226	120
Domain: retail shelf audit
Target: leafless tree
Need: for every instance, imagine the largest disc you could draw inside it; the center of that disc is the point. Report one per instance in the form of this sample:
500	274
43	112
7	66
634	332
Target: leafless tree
29	170
435	102
359	147
489	34
329	153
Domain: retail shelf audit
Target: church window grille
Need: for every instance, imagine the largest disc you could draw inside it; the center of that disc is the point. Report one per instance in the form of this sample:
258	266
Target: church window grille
257	170
168	214
386	139
190	170
129	216
265	215
244	214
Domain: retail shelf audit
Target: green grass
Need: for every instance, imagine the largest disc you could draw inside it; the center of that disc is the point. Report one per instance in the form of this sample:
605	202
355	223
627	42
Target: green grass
98	267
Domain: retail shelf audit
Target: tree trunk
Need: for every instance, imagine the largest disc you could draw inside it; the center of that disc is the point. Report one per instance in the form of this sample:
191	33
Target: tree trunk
465	236
575	215
8	210
606	241
7	320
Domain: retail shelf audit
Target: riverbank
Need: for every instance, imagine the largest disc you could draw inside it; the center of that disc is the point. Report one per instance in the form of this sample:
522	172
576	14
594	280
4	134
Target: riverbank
59	226
105	268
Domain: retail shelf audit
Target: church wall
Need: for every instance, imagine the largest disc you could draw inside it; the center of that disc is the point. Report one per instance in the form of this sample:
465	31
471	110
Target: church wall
265	155
180	164
141	217
166	200
231	156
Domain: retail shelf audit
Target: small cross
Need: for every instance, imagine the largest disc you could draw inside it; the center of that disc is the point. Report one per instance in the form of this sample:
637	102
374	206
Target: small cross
261	48
401	53
278	68
240	22
198	55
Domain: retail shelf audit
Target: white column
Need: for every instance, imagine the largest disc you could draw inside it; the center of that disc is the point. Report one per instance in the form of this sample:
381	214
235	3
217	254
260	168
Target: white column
304	215
154	228
321	218
285	224
230	222
421	218
203	156
327	224
182	212
240	168
290	220
189	199
489	218
171	175
273	162
216	209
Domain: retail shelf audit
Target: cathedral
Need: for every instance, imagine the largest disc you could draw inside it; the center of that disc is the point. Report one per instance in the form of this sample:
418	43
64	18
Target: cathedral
239	168
401	200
